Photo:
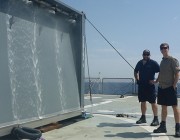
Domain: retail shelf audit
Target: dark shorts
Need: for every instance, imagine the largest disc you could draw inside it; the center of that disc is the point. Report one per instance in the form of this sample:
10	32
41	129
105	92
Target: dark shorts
146	93
167	96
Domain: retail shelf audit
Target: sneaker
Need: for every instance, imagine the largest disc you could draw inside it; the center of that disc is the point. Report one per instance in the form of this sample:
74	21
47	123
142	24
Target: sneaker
177	133
155	122
141	120
160	129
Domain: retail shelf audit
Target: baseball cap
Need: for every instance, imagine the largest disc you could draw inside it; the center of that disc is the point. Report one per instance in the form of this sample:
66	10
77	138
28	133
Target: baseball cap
146	52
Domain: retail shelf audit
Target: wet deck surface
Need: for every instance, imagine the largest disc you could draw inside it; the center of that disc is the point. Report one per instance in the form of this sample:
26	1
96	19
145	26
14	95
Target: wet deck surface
105	125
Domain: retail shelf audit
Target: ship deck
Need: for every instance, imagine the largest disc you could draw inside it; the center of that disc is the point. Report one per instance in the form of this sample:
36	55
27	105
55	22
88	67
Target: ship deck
102	123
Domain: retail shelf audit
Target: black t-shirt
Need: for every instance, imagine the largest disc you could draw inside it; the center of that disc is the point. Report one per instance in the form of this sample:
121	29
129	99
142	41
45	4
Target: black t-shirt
146	71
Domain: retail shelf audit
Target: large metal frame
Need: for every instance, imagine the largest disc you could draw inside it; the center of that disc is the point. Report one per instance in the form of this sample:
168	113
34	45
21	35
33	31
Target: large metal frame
42	63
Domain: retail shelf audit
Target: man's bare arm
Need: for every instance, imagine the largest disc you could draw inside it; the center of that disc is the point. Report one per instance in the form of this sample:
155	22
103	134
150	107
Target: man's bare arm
136	76
176	78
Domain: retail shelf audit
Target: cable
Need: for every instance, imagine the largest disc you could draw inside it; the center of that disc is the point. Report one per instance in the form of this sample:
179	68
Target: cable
90	92
109	43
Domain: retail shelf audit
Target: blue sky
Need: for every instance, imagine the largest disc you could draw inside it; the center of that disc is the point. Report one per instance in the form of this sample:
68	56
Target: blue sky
131	26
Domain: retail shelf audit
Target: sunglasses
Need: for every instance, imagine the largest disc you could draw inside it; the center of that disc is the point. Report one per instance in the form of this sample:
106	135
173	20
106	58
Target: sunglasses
163	48
146	54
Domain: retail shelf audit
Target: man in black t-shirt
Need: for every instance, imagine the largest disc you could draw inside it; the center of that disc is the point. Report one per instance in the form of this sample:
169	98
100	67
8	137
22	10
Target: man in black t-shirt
144	74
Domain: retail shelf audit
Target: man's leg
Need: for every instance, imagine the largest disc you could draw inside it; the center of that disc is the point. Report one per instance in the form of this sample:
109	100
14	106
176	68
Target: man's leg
164	113
176	113
143	111
162	127
155	121
154	109
177	120
143	108
142	99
